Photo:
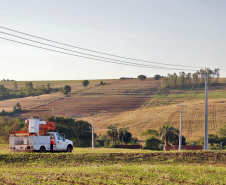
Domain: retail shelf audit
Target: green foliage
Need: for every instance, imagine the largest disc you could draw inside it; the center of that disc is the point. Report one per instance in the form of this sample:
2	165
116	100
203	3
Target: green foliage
16	109
157	77
142	77
152	144
92	167
112	133
167	134
85	83
215	142
77	131
176	140
222	131
8	124
134	141
29	86
150	133
29	90
124	136
189	80
66	89
102	83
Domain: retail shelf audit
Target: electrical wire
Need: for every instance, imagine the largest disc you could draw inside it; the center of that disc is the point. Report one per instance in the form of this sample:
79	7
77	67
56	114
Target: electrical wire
97	51
69	49
122	63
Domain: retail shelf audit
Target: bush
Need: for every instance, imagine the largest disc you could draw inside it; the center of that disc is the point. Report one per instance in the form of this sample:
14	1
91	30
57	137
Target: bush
142	77
66	89
157	77
85	83
152	144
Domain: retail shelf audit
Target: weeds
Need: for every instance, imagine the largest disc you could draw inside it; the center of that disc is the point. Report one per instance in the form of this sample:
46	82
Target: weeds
86	166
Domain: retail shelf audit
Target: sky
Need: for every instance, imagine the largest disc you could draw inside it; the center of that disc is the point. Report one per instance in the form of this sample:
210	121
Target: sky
172	32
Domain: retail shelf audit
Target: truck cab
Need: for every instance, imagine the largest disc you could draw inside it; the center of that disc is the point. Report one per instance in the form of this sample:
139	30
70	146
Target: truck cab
62	144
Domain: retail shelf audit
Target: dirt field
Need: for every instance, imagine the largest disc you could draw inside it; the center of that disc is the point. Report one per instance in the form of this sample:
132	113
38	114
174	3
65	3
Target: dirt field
114	98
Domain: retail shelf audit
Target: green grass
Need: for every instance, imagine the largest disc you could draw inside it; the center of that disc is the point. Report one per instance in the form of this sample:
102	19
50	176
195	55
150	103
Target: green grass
114	174
113	166
198	95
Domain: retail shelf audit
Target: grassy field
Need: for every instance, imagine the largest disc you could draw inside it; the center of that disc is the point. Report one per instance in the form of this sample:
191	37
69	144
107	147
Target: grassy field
187	96
112	166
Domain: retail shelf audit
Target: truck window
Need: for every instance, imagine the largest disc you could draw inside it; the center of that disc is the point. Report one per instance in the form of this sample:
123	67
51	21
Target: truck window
48	134
60	137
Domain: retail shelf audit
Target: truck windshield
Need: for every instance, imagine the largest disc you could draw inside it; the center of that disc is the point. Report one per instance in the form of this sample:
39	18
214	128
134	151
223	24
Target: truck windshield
60	137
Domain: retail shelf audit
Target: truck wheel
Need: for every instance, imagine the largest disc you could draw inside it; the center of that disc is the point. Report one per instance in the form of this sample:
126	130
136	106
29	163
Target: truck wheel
69	149
42	149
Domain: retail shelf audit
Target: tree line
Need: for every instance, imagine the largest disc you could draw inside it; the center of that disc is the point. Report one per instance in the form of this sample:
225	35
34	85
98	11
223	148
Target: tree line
166	135
80	132
189	80
115	136
27	90
169	135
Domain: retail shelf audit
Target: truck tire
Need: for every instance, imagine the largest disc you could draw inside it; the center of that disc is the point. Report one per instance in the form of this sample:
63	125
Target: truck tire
69	148
42	149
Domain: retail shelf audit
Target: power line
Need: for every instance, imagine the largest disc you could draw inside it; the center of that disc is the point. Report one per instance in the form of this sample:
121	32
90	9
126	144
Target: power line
97	51
122	63
69	49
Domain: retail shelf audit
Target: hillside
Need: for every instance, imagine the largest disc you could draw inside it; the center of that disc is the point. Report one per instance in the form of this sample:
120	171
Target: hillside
139	105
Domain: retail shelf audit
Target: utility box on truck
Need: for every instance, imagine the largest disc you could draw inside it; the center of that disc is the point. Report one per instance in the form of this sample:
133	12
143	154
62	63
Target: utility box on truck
36	138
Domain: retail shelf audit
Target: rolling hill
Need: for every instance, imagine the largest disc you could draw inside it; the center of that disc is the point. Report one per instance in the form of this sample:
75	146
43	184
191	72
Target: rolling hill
139	105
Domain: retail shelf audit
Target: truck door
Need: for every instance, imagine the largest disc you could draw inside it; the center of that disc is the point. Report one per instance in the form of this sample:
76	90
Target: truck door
60	142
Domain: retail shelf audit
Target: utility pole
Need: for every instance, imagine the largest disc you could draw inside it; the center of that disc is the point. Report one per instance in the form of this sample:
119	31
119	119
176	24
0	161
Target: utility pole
180	136
206	112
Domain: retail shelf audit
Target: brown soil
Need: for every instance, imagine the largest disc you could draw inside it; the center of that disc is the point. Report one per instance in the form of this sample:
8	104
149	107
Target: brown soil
112	99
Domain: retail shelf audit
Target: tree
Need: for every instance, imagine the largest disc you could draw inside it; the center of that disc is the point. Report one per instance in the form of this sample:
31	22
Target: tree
157	77
141	77
66	89
167	133
17	108
29	86
2	89
48	87
102	83
8	124
112	133
85	83
124	135
176	140
152	144
15	85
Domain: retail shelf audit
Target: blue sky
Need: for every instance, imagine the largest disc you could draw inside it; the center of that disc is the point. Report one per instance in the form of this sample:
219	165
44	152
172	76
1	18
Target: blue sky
178	32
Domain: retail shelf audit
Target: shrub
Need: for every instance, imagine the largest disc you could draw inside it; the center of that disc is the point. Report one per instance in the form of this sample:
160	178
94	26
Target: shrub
152	144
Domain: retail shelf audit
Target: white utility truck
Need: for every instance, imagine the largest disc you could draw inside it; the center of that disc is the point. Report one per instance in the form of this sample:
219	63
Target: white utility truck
36	138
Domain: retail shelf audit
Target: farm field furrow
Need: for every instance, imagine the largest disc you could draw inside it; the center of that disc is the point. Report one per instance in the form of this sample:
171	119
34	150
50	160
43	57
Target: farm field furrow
116	97
113	166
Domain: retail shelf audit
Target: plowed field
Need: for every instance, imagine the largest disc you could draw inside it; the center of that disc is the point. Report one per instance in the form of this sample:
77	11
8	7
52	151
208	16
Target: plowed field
111	99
